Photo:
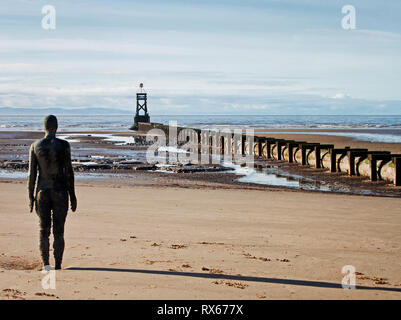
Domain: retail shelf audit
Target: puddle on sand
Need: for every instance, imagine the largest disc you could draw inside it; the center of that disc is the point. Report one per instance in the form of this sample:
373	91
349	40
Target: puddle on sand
276	177
11	174
22	175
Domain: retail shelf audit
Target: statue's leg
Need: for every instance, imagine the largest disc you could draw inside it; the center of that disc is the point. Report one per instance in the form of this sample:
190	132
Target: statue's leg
43	210
60	208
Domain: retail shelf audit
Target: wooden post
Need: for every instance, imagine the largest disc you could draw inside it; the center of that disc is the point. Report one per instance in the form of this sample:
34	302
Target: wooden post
290	146
373	167
278	147
198	132
222	145
397	170
318	150
260	147
280	143
333	160
304	147
303	156
210	144
333	157
351	160
290	152
359	153
318	159
269	142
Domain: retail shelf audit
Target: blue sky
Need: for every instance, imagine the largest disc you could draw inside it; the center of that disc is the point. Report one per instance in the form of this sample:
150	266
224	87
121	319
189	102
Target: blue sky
203	57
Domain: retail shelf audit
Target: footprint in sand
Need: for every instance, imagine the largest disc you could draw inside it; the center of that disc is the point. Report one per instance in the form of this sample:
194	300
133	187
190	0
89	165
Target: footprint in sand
264	259
212	270
150	262
44	294
13	293
212	243
376	280
177	246
19	263
237	285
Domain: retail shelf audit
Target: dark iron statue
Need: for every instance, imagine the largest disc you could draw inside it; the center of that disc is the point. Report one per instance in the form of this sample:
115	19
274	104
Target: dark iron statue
52	156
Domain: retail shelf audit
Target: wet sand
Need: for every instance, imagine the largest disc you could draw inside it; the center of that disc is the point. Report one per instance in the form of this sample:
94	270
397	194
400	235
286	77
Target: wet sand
15	145
164	242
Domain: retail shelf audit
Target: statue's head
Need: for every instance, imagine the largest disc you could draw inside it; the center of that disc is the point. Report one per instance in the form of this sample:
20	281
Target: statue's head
50	124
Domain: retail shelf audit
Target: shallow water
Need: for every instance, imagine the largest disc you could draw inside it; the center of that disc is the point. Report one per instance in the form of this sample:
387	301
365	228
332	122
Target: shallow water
22	175
276	177
118	140
95	122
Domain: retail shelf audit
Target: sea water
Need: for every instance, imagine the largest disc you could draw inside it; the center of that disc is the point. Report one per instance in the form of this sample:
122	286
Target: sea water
365	127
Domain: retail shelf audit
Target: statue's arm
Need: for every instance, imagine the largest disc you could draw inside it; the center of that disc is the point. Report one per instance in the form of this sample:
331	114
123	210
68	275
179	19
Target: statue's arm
70	179
32	173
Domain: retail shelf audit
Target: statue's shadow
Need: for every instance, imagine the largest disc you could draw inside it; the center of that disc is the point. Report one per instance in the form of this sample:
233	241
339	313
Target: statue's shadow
308	283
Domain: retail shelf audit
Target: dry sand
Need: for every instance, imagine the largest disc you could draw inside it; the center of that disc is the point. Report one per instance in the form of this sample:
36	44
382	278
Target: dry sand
138	242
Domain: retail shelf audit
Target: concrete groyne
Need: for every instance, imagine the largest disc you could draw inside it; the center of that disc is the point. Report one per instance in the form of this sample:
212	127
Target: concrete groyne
376	165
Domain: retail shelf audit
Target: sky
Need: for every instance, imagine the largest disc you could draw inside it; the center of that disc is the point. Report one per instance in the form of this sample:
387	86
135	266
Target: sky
203	56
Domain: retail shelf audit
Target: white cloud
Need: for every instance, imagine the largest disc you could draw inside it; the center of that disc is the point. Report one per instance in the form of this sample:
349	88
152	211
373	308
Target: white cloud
341	96
200	56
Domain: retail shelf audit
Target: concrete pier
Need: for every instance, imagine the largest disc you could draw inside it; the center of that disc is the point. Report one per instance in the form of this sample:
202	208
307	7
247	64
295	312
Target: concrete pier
377	165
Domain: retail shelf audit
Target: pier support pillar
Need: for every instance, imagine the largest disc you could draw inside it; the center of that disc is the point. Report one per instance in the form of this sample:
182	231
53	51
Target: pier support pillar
318	156
243	141
222	145
304	148
260	146
333	157
397	170
318	164
290	152
290	146
351	160
269	142
279	145
198	133
364	153
373	167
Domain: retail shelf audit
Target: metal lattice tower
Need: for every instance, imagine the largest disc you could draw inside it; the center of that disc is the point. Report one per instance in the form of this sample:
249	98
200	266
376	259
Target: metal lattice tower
141	105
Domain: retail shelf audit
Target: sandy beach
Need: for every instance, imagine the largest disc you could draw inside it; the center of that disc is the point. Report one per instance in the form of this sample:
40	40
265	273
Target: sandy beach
154	242
206	150
158	235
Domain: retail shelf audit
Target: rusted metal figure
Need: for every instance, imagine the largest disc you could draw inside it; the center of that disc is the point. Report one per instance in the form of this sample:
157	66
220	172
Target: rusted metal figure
52	157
